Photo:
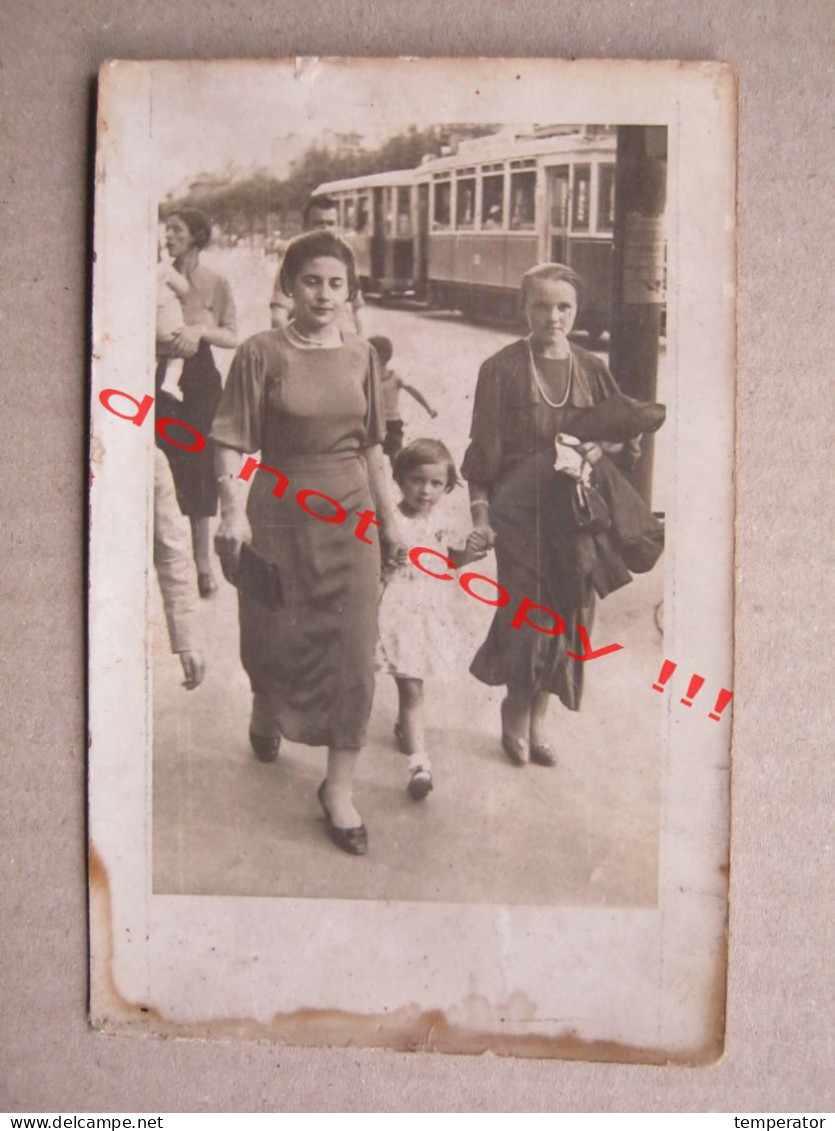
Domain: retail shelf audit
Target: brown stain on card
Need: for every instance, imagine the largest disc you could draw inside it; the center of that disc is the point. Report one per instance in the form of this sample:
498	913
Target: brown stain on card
407	1029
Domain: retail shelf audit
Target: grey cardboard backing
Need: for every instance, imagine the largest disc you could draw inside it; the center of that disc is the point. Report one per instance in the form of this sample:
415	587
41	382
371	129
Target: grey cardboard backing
780	981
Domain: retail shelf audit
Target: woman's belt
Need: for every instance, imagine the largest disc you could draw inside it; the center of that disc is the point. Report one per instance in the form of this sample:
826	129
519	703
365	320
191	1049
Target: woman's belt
317	461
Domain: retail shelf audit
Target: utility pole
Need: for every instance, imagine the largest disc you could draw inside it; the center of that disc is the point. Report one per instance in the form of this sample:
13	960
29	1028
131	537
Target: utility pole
638	279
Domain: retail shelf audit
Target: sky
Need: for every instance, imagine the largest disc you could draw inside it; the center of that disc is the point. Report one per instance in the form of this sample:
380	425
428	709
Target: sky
204	117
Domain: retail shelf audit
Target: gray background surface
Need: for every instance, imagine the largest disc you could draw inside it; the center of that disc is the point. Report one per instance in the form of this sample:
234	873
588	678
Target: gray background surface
780	1006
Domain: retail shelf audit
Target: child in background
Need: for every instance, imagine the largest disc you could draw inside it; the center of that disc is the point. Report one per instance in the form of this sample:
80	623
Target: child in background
392	384
416	631
172	288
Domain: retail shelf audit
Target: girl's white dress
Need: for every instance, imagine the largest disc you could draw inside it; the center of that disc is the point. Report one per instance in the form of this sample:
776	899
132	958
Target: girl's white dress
418	638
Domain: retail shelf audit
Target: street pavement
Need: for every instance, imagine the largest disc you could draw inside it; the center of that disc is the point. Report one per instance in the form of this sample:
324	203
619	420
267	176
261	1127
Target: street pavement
582	834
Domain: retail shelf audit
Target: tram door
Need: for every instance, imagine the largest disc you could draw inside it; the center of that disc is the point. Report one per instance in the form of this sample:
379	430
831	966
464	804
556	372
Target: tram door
422	241
378	239
557	220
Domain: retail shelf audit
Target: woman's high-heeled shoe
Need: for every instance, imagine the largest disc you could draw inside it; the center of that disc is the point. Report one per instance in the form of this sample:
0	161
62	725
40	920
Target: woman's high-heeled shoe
353	841
542	754
206	584
516	749
266	748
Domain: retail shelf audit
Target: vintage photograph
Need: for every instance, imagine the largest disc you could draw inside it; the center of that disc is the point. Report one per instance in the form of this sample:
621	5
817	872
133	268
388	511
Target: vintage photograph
410	565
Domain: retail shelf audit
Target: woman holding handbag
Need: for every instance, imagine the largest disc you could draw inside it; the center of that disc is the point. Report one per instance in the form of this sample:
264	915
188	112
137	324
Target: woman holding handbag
530	490
307	397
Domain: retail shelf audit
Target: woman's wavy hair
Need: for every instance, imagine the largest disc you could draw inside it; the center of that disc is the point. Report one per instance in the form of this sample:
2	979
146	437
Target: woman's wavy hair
313	245
198	224
552	273
420	452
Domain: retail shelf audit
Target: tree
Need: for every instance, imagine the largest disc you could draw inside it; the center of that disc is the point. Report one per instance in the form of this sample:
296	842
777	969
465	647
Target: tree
243	205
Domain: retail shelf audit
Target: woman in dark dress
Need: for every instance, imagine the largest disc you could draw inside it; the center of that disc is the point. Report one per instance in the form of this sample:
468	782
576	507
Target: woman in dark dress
309	400
521	505
209	320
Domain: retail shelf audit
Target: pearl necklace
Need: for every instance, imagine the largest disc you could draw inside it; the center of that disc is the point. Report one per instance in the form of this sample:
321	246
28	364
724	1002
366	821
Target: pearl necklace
538	380
309	343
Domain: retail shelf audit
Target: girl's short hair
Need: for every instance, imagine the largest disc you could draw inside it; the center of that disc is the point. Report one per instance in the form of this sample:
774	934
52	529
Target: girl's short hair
383	348
552	273
198	224
424	451
314	245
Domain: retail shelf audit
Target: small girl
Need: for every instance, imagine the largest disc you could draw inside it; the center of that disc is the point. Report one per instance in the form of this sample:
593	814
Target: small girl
172	288
414	633
391	385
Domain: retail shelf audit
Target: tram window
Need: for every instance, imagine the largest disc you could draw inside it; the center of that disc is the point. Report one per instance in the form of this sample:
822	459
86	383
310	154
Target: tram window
522	201
559	197
362	214
492	202
350	215
442	206
606	199
580	212
388	218
465	203
404	213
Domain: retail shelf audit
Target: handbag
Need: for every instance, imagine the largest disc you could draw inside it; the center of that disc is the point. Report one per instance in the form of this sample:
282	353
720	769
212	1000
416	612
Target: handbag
257	577
588	507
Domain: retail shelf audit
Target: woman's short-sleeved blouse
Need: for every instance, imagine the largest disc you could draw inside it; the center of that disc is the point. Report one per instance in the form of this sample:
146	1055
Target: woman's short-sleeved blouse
209	301
283	400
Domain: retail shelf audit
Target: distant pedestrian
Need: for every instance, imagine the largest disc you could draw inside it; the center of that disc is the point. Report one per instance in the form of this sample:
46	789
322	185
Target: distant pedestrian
392	386
321	214
416	637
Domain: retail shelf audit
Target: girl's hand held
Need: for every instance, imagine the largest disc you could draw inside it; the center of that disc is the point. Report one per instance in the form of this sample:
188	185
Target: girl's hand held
481	539
394	549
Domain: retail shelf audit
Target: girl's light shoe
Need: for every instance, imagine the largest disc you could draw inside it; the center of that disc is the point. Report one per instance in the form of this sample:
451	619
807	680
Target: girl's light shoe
420	782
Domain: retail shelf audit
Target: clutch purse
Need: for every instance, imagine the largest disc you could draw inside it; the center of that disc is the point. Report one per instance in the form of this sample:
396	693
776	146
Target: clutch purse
259	578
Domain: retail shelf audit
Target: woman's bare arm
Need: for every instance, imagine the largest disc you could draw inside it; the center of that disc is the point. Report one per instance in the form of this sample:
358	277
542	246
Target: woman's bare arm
221	336
234	528
384	508
483	535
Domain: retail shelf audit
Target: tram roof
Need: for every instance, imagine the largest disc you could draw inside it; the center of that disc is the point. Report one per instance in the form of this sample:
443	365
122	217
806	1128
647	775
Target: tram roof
370	180
500	147
481	151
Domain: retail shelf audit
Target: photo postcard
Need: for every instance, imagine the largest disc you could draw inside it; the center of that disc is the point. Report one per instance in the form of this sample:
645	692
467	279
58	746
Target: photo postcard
411	554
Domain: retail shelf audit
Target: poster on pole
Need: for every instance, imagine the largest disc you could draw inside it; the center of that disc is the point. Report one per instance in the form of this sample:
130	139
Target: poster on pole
411	547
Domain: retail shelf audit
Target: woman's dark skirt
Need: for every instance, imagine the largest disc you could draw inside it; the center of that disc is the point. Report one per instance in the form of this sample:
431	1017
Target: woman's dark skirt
193	471
530	510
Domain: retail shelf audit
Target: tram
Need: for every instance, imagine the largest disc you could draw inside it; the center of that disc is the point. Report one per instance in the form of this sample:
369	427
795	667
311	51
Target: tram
385	219
460	231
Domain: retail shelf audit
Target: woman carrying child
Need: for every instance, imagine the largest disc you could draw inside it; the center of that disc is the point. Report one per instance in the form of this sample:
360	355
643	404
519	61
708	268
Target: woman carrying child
208	319
414	630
